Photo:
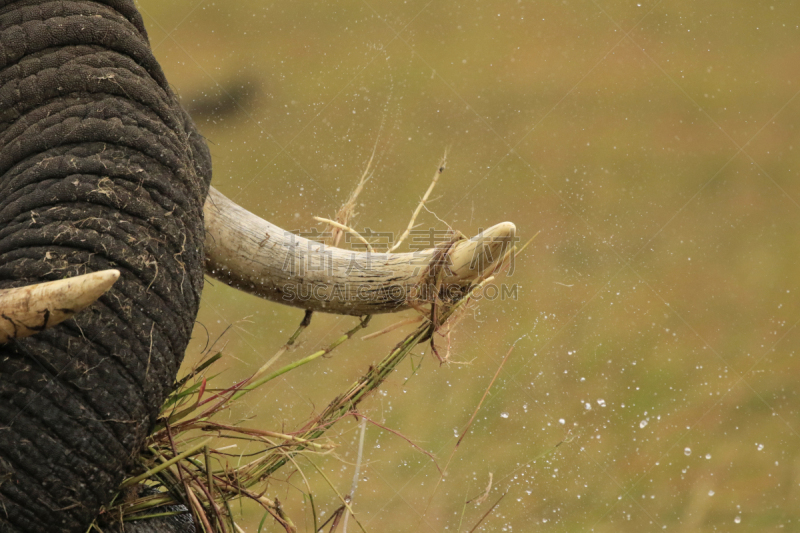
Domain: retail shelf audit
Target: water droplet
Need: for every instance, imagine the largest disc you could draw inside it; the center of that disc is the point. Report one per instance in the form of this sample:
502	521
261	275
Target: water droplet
759	447
562	421
711	493
708	456
643	424
687	451
503	415
737	520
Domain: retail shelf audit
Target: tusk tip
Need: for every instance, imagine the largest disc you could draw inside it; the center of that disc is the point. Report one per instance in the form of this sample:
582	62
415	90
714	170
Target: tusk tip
471	258
103	280
25	311
83	291
504	231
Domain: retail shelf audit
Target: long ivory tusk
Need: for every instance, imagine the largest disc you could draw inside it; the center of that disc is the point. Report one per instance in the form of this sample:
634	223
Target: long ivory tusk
25	311
253	255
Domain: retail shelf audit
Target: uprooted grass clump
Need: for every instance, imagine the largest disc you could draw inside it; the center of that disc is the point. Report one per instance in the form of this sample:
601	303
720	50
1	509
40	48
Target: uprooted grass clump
181	467
181	470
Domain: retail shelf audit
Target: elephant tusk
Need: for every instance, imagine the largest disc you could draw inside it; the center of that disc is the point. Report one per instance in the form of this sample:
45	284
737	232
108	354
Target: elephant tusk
255	256
25	311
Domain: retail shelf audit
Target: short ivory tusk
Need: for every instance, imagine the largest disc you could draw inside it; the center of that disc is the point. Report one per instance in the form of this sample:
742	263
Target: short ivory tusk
25	311
250	254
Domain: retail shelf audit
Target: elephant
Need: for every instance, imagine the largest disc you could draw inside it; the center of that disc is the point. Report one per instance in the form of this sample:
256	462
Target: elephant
108	223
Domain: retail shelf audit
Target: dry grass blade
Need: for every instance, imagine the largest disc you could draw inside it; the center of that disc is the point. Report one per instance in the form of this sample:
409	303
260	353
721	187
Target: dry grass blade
212	426
486	392
471	420
482	498
487	513
393	327
348	210
347	229
354	486
409	441
434	180
303	325
342	508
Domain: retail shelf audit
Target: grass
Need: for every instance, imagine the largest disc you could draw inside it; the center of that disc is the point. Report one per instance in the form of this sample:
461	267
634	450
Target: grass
184	467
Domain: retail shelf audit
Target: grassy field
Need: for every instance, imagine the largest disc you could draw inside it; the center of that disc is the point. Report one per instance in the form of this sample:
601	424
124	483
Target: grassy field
654	381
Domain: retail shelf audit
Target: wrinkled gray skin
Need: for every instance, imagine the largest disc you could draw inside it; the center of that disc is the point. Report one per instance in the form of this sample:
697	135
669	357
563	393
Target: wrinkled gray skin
99	168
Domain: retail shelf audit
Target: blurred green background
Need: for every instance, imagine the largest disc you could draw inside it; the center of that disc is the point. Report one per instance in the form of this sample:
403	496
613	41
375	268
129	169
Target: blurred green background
651	143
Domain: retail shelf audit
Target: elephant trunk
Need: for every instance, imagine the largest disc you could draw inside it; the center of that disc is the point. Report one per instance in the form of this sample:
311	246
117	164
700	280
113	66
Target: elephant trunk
99	169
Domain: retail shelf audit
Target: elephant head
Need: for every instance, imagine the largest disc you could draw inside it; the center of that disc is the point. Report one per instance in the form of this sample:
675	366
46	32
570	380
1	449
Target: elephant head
103	175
